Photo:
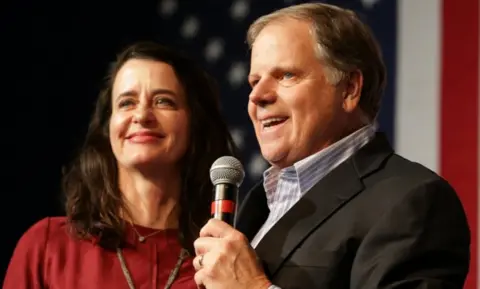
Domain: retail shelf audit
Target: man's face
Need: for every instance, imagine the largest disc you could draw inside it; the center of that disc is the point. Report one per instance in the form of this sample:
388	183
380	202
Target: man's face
295	111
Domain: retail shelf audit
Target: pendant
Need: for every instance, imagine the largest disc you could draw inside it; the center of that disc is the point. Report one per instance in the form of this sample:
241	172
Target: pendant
141	239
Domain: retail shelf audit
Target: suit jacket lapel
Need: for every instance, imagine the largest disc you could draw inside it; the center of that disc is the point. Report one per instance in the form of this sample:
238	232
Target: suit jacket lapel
308	213
318	204
253	212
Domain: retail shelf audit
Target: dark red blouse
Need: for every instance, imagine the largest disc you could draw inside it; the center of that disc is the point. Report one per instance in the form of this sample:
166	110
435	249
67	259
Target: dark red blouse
46	256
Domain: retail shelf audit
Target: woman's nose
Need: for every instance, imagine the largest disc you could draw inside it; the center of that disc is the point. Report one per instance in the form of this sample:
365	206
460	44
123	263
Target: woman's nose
143	114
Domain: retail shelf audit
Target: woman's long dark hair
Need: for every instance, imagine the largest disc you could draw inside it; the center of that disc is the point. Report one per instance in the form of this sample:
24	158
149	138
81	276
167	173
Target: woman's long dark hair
93	199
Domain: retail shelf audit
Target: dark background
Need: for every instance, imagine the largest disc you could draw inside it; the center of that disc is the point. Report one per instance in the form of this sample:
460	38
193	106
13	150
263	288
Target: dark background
54	55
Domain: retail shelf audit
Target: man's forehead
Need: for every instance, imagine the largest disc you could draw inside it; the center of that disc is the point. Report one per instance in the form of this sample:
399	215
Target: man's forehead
281	49
277	35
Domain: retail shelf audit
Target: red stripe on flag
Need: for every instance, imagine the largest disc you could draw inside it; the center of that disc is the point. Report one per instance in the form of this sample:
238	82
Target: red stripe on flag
459	110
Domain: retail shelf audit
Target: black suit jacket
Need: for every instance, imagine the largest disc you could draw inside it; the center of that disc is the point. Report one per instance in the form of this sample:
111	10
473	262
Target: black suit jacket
376	221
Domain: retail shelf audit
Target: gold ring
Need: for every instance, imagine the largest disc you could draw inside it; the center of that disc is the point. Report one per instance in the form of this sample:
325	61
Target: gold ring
200	261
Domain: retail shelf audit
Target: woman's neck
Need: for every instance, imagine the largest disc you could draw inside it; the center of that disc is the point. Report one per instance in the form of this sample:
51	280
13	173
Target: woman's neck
151	202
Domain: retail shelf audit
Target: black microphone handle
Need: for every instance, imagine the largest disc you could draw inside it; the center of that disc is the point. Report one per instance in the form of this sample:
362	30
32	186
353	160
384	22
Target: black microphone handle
224	202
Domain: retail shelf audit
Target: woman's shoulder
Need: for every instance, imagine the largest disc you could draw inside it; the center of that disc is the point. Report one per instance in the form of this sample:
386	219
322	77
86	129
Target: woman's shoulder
54	225
29	255
40	232
46	227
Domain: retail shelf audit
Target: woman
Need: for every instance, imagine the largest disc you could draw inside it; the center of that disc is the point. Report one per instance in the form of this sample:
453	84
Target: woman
139	191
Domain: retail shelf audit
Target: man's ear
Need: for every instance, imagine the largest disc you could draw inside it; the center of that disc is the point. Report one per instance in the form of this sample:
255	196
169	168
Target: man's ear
353	90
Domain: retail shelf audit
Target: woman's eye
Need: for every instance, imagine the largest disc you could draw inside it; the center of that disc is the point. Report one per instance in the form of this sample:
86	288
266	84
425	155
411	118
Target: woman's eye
126	102
164	101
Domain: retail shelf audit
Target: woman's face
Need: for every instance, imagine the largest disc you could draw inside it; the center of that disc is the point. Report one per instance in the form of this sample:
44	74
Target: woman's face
150	118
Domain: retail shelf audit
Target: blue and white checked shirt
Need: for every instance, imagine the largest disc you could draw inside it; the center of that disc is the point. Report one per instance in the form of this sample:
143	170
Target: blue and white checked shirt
285	187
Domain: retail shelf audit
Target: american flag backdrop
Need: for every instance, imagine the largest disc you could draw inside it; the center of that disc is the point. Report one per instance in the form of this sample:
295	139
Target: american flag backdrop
430	108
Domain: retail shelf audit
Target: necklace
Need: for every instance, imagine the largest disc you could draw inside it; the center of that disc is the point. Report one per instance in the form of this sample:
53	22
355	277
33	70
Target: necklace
141	238
171	278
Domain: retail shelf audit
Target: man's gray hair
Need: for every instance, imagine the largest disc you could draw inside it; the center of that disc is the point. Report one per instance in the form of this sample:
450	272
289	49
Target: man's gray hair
343	42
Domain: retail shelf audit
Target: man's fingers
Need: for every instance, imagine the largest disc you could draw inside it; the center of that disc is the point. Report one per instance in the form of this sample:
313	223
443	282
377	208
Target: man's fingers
203	245
199	279
216	228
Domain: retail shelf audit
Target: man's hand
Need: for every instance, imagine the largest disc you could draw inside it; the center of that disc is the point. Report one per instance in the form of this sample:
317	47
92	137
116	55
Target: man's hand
226	260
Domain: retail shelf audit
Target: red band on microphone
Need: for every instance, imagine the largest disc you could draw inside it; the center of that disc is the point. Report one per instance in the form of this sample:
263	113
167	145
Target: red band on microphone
222	206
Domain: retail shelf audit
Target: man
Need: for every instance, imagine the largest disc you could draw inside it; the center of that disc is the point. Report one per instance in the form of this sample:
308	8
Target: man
338	208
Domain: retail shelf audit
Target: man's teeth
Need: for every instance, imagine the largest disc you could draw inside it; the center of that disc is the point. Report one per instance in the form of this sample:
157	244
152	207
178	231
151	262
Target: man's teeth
272	121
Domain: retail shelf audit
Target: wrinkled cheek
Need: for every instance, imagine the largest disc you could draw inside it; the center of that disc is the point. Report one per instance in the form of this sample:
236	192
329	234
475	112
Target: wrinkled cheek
119	119
117	127
251	109
257	127
182	139
116	145
300	132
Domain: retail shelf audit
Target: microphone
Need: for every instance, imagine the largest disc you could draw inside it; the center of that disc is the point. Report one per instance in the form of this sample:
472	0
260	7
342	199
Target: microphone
226	174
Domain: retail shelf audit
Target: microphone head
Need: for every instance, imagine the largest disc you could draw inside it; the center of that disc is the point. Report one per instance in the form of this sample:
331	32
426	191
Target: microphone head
227	170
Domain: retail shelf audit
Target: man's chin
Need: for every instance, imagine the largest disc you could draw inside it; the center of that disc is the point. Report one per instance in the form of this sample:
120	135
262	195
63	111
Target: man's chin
276	158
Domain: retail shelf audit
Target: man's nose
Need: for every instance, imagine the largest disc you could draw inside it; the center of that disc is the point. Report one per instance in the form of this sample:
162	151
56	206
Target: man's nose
263	94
